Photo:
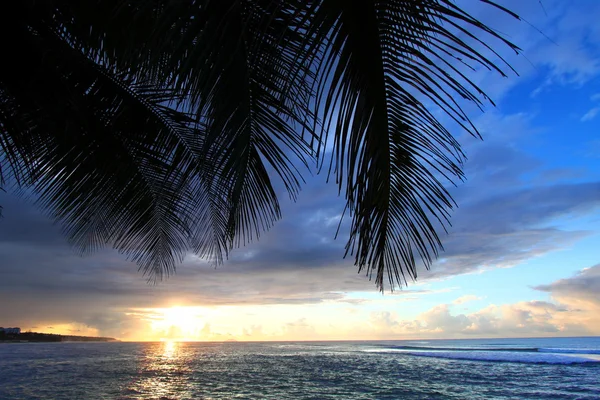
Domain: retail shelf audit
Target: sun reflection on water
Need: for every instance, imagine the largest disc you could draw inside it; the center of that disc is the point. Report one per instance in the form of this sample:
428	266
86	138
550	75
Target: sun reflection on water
169	349
164	372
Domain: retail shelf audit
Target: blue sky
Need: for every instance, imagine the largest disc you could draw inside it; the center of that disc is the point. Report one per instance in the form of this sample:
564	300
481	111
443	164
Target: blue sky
521	258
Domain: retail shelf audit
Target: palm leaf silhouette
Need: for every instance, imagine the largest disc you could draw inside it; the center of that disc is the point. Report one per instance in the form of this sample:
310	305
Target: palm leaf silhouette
159	126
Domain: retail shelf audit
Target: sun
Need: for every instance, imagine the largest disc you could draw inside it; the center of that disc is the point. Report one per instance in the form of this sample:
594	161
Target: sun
180	316
179	322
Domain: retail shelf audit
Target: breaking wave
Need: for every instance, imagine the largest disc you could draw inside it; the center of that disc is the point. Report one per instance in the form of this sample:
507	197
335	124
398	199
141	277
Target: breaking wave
532	355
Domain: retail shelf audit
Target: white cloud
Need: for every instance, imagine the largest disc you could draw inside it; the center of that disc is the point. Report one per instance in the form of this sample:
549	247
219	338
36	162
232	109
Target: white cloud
522	319
560	42
591	114
575	310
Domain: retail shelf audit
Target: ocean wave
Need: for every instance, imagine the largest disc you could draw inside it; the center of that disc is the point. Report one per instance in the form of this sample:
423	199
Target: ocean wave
470	348
568	351
558	350
531	357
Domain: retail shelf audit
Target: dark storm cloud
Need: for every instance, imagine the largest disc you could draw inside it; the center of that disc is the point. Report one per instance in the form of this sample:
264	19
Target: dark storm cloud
24	223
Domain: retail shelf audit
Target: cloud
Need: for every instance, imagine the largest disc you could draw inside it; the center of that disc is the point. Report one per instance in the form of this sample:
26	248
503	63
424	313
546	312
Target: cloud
570	46
504	218
74	329
584	286
559	43
299	329
575	310
531	318
591	114
22	223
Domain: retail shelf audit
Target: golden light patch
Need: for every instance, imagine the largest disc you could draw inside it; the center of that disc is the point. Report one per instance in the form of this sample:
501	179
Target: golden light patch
70	329
178	323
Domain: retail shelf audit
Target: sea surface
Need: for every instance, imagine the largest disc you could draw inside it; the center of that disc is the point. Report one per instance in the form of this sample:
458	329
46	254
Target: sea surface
566	368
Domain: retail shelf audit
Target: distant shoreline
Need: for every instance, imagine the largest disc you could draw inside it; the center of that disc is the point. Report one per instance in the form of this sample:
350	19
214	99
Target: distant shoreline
35	337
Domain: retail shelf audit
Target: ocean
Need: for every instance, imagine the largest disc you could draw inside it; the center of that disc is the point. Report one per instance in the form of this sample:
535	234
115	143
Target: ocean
564	368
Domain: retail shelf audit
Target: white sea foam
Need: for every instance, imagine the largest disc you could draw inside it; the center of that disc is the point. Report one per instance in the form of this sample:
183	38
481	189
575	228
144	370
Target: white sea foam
500	356
568	351
546	358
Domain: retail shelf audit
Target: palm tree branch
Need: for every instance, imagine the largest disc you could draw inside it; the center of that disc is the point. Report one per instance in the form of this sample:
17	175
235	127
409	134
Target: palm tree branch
388	146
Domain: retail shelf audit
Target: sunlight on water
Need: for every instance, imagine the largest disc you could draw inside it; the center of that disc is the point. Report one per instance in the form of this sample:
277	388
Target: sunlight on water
163	372
170	348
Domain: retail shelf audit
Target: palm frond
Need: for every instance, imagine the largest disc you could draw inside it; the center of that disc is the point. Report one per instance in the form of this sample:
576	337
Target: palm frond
383	59
111	159
238	64
157	125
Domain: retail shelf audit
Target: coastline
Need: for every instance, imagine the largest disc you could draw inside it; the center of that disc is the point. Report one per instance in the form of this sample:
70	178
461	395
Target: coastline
35	337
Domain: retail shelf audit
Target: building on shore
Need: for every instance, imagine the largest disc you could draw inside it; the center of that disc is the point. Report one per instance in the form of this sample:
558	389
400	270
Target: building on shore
10	331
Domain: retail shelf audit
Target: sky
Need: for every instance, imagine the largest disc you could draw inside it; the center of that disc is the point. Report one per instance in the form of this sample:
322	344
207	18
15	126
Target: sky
521	258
